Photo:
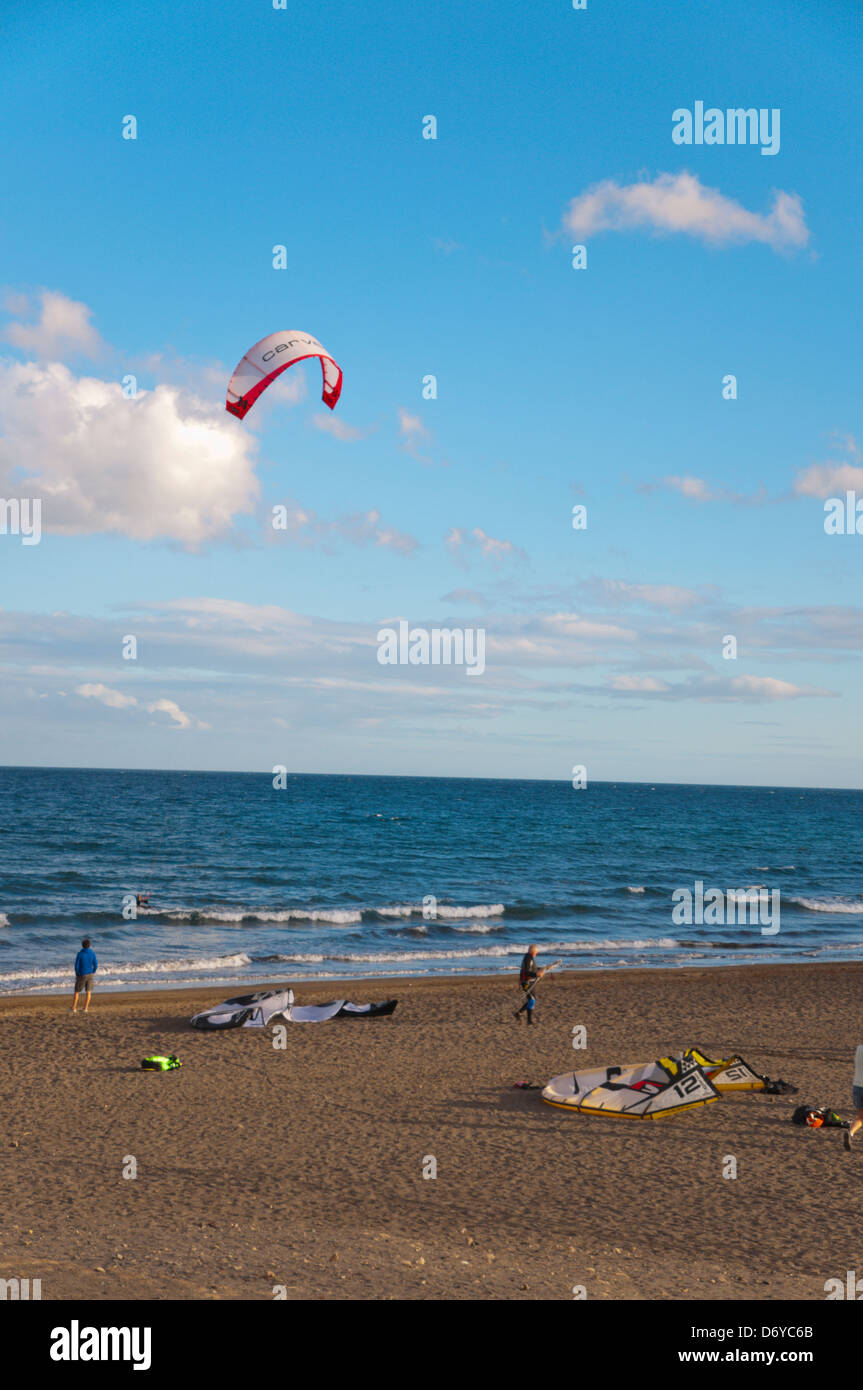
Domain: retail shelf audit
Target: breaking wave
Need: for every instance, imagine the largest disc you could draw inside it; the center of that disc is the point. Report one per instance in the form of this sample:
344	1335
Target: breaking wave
844	905
332	916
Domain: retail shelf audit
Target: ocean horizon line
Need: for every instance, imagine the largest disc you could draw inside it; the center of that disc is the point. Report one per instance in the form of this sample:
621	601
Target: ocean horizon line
419	777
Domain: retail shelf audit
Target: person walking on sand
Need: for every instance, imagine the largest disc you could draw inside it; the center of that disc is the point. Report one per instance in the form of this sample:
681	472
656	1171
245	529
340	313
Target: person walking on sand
86	966
528	976
857	1093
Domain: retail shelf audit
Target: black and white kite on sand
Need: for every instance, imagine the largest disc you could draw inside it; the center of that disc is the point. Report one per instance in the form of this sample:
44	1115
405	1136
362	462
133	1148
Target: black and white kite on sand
652	1090
257	1010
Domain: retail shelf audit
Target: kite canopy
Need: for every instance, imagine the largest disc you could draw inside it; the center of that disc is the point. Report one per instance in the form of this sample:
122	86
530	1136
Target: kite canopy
645	1090
733	1074
650	1090
257	1010
339	1008
736	1075
247	1010
272	356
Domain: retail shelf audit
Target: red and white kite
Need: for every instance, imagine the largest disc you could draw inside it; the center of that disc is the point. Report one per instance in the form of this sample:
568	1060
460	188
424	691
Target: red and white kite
272	356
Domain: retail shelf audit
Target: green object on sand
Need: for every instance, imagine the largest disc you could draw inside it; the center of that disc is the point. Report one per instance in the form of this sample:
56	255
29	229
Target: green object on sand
160	1063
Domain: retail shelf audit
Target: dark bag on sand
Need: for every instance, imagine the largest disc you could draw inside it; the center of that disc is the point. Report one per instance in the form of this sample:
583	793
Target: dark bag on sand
778	1088
823	1118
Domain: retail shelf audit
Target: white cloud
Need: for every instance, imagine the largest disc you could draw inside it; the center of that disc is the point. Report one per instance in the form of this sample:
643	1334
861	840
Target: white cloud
355	528
337	427
639	684
709	688
167	464
114	699
574	625
201	378
413	433
171	708
363	528
681	203
460	541
62	328
826	479
833	476
768	688
239	665
849	444
411	426
697	490
665	596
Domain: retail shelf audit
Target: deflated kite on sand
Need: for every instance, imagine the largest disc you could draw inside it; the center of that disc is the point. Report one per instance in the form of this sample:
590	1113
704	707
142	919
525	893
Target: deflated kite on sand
652	1090
257	1010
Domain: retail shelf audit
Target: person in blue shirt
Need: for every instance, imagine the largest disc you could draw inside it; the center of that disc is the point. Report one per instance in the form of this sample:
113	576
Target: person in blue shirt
86	966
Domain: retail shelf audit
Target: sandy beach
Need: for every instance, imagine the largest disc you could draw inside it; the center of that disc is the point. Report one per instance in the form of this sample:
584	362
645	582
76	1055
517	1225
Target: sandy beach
258	1167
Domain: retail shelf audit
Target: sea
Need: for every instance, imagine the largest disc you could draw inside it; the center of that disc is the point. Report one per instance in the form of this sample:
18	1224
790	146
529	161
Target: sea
342	877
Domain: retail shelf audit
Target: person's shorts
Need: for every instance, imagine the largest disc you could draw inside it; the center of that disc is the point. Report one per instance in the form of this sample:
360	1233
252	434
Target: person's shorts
83	983
858	1097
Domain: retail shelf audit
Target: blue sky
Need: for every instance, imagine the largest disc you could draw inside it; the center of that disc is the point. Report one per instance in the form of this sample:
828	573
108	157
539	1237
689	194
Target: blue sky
302	127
